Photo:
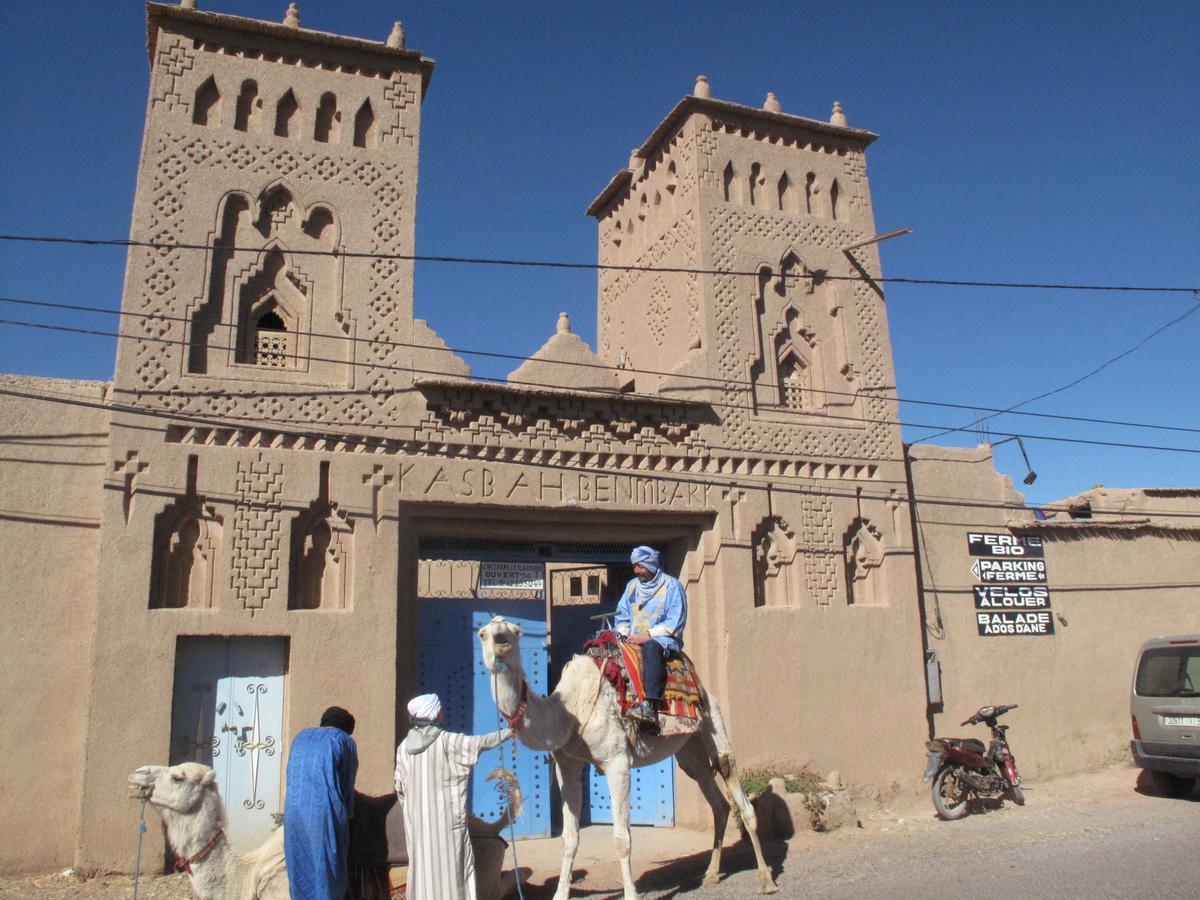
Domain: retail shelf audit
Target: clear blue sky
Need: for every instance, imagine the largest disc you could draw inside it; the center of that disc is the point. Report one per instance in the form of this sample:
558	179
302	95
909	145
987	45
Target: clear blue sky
1042	142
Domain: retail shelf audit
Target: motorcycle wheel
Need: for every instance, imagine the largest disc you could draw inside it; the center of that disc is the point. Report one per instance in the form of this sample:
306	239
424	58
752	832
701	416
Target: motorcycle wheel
949	796
1018	795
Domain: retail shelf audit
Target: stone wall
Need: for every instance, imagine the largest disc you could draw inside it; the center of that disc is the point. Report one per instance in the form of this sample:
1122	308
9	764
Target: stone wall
51	473
1114	582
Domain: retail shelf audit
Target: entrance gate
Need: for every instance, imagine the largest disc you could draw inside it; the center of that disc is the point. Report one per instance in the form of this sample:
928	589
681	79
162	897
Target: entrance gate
227	712
463	584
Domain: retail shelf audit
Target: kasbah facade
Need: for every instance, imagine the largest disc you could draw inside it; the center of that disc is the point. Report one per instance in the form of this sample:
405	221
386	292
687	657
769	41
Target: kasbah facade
292	493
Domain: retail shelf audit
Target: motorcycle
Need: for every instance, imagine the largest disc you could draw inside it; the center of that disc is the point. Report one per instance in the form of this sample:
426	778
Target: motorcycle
961	768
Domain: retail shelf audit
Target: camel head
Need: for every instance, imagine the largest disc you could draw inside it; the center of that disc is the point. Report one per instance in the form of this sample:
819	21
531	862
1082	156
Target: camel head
501	640
179	788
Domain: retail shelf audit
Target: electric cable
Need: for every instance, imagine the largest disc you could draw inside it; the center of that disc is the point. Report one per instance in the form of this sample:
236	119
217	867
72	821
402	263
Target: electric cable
714	380
617	395
552	264
1058	390
369	443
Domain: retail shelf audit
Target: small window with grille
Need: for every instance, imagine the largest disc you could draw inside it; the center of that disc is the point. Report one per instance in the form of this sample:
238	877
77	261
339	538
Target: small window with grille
793	383
272	343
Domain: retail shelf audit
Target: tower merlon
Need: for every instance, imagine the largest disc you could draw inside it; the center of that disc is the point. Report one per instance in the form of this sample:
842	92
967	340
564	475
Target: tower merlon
289	36
854	138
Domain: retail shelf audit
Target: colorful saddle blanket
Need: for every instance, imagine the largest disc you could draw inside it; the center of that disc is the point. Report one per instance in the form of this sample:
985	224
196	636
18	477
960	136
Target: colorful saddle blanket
621	665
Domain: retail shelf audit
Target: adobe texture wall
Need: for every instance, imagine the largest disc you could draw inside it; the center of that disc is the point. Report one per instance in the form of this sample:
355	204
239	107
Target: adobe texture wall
789	344
50	481
1113	580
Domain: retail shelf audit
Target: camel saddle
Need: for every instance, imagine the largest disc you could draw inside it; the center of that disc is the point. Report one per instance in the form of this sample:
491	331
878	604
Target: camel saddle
621	665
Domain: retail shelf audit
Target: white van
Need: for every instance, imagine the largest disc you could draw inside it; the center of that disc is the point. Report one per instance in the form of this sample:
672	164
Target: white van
1165	705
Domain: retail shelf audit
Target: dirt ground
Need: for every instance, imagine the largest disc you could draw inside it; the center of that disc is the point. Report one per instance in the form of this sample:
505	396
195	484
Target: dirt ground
662	856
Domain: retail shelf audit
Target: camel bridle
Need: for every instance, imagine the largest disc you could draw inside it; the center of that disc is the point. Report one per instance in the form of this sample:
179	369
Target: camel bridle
185	863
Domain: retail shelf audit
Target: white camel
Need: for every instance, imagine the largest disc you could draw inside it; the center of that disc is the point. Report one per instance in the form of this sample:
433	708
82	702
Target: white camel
581	723
187	799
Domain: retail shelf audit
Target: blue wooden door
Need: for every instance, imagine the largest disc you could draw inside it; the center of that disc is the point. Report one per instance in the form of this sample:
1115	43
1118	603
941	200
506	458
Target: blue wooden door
451	665
227	712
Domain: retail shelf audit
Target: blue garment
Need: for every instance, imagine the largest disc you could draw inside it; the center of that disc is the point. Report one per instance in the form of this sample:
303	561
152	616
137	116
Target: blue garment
659	606
322	765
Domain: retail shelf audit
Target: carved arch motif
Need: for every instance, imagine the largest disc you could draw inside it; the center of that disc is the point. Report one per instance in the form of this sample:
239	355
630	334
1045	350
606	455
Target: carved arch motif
267	293
187	542
322	548
864	555
777	573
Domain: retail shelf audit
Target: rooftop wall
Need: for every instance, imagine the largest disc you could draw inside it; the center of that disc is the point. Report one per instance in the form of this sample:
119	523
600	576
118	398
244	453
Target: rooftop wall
51	471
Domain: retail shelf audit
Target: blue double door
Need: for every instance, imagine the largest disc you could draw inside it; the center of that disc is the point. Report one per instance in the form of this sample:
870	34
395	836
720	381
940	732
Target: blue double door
451	664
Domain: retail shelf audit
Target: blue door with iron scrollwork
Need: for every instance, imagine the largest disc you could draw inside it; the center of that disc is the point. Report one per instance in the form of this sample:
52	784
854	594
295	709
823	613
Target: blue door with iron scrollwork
227	712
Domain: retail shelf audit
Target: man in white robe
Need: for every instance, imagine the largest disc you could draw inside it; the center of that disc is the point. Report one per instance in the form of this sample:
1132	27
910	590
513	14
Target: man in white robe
433	770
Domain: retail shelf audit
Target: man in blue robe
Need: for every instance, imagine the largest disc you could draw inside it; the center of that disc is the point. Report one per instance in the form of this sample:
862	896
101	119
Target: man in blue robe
652	612
322	765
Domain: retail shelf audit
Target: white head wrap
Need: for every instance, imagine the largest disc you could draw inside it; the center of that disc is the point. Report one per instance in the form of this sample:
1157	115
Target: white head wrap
425	708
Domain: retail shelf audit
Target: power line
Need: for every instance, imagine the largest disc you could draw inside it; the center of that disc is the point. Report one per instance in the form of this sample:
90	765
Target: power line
1058	390
716	381
741	480
617	395
616	267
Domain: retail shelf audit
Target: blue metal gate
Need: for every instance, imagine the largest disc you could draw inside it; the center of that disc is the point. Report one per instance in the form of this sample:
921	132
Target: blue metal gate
451	665
227	712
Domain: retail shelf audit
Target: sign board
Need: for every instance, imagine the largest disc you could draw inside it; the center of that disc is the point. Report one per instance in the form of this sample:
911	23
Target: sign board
1029	571
1015	623
511	579
1014	596
1004	545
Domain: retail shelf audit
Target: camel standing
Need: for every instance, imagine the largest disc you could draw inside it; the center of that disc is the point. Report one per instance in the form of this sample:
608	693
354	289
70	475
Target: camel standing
581	723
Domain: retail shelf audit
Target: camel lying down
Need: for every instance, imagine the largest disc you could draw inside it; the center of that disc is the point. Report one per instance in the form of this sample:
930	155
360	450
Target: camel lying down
190	805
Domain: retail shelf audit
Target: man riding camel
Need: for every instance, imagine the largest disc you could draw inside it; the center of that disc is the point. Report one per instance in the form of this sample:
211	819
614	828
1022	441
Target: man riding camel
652	612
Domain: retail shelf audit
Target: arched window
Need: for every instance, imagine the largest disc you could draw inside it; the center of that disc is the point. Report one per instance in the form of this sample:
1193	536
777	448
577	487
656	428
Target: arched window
328	128
833	199
810	190
249	107
207	109
272	343
730	184
786	194
287	115
793	382
365	133
756	180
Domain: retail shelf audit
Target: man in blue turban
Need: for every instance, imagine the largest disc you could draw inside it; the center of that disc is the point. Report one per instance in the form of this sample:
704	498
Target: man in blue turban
652	612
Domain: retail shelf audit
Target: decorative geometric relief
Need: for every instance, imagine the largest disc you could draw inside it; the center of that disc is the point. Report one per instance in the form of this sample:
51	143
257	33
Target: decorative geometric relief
864	560
174	58
400	95
659	311
821	556
257	524
860	331
777	579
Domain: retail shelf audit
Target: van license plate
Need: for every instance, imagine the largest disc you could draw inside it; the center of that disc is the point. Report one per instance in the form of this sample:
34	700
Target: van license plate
1181	720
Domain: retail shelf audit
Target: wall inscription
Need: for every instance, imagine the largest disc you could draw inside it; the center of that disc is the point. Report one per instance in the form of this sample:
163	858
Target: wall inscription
522	485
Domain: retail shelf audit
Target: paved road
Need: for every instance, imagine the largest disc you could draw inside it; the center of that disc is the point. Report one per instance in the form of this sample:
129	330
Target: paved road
1094	836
